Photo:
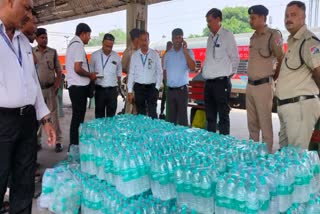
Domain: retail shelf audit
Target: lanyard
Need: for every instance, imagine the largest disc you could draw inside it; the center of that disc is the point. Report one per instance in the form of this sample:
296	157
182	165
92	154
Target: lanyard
104	64
144	60
214	46
216	41
9	43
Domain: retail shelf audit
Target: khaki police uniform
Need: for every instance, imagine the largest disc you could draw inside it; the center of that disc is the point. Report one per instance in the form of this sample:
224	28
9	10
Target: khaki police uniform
47	65
296	90
125	61
264	49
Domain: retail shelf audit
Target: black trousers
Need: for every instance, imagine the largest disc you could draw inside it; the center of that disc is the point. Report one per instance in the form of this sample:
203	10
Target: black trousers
78	96
178	105
146	97
106	100
216	97
18	151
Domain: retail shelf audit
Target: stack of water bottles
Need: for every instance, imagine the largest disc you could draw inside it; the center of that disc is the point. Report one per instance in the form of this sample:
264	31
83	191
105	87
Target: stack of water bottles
61	192
133	164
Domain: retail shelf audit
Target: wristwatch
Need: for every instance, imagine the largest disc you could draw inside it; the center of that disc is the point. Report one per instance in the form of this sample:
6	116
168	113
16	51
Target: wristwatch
46	120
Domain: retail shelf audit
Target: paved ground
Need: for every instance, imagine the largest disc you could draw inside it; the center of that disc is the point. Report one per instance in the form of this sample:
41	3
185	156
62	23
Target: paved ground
48	158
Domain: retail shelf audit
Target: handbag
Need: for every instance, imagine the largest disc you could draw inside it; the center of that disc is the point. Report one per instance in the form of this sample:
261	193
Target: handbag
92	84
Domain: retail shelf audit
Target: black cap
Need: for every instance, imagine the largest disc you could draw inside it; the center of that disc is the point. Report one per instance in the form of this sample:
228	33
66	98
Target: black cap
40	31
177	32
259	10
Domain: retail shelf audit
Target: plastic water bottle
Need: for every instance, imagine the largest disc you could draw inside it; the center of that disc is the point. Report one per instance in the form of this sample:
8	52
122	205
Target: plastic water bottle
302	186
312	208
229	190
220	204
99	160
284	190
263	196
206	204
252	203
240	196
48	186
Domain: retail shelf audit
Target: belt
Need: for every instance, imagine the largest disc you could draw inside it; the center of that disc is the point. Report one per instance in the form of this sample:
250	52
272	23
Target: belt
295	99
217	79
177	88
259	81
145	85
46	86
108	88
24	110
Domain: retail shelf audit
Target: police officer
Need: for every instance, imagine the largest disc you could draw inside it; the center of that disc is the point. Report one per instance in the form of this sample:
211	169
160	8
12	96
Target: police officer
125	61
265	46
298	84
220	64
49	73
178	61
145	77
21	105
107	64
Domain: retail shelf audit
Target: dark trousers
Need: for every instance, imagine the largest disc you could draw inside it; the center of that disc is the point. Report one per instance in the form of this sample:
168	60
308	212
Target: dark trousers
78	96
216	97
146	97
106	100
18	151
178	105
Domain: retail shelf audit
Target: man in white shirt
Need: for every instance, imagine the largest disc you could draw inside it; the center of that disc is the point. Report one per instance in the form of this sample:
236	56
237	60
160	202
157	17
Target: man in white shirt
145	77
220	64
78	77
107	63
21	105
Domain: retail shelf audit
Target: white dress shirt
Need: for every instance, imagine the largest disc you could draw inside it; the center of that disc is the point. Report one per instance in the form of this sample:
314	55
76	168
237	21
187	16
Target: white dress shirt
145	69
76	53
108	66
19	85
222	58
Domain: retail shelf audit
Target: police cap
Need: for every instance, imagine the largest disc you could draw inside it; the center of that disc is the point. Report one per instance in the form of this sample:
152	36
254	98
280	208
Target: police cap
259	10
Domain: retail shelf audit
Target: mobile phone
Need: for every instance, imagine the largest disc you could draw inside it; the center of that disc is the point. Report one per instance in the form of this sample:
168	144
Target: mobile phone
100	76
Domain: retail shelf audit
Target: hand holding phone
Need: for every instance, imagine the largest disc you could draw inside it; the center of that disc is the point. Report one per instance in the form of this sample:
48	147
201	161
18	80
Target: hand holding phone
184	44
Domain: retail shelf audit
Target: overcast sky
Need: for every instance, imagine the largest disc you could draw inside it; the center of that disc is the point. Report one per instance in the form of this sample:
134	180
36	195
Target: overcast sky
163	17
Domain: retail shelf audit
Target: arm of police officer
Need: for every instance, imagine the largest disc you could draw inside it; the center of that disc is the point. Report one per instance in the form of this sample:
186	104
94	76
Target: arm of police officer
131	80
164	67
125	61
277	51
189	56
312	58
316	76
58	71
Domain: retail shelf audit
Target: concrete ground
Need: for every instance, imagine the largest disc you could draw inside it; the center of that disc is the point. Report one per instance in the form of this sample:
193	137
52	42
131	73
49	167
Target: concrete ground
48	158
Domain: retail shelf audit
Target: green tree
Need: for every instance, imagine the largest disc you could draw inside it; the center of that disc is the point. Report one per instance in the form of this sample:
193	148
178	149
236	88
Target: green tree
119	35
234	19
